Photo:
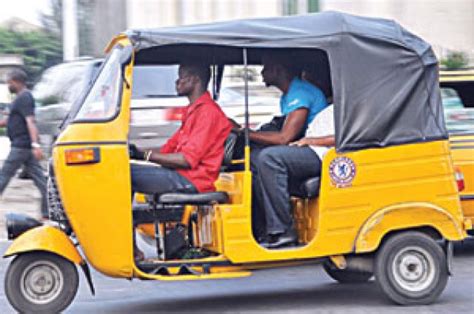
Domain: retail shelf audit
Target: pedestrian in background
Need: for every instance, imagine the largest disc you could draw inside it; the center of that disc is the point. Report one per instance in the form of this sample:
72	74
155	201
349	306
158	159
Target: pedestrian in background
23	133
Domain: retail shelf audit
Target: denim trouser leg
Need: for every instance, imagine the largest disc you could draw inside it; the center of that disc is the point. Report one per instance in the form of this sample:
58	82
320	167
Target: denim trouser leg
277	165
152	179
23	156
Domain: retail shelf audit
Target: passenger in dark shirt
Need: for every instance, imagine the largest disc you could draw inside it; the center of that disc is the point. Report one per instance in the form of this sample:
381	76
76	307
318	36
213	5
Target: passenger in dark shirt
21	129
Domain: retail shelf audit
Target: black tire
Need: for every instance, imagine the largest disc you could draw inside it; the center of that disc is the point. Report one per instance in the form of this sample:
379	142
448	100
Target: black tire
346	276
41	282
411	269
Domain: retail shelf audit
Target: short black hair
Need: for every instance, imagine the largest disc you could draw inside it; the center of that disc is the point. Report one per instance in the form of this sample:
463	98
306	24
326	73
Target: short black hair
285	59
202	71
17	75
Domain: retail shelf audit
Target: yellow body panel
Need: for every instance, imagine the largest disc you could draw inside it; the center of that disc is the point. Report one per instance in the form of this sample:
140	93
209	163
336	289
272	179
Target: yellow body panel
462	151
97	197
462	146
456	76
406	216
45	238
398	175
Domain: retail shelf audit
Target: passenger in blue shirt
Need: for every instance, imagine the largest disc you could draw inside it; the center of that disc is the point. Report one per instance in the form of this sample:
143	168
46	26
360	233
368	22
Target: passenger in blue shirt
300	103
302	94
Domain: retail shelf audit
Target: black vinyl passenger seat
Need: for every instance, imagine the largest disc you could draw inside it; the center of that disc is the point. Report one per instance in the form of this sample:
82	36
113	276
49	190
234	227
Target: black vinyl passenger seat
308	189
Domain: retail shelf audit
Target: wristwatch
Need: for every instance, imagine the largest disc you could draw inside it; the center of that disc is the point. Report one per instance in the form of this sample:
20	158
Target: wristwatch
35	145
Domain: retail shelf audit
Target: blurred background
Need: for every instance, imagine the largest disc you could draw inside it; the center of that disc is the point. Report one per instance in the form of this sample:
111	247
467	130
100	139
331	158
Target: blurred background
41	33
60	45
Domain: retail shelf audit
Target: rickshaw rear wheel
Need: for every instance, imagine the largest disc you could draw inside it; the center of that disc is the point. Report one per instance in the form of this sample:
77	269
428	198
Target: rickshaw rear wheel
411	269
345	275
41	282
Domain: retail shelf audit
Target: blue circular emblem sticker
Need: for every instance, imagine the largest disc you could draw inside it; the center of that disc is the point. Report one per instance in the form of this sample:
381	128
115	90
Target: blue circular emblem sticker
342	171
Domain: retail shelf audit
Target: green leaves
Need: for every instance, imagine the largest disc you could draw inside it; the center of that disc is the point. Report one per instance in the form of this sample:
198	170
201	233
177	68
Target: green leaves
39	49
455	60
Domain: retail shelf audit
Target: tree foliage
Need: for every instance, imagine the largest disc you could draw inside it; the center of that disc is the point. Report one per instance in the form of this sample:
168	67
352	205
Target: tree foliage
39	49
455	60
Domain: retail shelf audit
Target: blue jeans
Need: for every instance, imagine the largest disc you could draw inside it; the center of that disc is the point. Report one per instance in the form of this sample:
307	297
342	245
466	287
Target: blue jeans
16	159
151	179
279	168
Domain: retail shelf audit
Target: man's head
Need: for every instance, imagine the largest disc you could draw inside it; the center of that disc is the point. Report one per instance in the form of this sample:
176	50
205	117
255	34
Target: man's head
16	80
277	69
192	77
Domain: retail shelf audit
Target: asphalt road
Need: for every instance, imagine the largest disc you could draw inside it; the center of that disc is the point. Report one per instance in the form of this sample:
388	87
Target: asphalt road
304	289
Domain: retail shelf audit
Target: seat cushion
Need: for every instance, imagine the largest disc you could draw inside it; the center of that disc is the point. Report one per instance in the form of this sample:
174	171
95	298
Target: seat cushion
194	199
308	189
311	187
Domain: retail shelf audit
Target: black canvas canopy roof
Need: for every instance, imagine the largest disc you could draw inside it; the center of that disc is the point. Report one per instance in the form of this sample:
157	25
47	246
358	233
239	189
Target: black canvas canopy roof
384	79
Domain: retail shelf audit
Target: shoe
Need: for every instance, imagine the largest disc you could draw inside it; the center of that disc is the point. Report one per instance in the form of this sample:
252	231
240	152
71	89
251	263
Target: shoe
288	238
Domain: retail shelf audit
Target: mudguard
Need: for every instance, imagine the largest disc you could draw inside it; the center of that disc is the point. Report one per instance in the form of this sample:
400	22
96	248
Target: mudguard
407	216
45	238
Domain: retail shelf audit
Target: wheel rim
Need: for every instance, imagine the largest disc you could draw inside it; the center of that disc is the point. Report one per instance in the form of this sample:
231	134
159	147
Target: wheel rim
413	269
41	282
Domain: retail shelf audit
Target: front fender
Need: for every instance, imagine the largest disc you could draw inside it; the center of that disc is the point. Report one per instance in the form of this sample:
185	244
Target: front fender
45	238
407	216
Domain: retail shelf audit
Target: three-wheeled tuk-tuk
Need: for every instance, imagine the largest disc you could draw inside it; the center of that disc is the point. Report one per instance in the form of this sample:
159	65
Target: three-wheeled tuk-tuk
386	204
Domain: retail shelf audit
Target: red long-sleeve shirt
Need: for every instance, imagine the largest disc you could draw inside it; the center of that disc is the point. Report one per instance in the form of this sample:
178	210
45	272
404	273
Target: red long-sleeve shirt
200	139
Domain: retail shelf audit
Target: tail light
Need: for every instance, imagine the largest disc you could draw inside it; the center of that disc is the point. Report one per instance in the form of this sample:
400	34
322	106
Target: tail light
174	114
459	178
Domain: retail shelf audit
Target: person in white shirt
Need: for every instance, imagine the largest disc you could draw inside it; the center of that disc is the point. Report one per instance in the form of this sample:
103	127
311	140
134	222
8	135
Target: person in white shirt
284	166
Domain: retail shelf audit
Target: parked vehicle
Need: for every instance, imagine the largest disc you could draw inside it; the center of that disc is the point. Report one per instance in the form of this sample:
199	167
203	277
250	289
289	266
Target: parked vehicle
457	91
386	204
155	107
457	88
57	89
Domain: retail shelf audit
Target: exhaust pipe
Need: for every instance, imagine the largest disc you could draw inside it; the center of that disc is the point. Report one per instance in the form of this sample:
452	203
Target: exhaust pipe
19	223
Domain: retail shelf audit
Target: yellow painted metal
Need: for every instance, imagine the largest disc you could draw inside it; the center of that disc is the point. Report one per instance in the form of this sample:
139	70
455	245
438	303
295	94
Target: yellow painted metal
45	238
462	152
96	197
228	274
456	76
339	261
398	175
121	39
407	216
467	223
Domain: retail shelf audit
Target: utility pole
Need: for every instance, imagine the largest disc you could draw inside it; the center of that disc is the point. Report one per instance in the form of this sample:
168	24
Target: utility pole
70	30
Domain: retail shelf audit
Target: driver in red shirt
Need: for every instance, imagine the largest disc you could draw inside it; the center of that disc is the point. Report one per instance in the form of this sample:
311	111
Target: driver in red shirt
191	159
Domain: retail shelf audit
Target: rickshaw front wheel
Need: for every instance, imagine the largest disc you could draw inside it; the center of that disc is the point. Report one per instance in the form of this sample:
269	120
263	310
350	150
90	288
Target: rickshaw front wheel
346	275
411	268
41	282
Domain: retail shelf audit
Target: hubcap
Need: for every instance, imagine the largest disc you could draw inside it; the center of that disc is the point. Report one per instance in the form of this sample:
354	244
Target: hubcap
41	282
413	269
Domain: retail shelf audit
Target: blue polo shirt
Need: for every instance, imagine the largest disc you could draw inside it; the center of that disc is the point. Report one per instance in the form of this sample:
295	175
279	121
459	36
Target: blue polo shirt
302	94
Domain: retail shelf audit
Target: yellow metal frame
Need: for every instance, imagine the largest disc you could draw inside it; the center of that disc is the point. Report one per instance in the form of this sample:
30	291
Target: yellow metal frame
45	238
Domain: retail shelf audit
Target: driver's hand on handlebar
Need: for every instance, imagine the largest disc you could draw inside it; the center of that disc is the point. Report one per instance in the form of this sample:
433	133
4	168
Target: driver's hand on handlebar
135	153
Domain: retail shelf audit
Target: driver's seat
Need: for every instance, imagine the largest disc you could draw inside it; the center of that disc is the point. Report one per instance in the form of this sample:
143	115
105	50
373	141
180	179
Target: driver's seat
203	198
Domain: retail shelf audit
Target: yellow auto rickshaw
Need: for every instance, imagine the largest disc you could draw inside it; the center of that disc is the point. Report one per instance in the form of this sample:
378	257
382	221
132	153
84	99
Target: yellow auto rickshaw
457	90
386	204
